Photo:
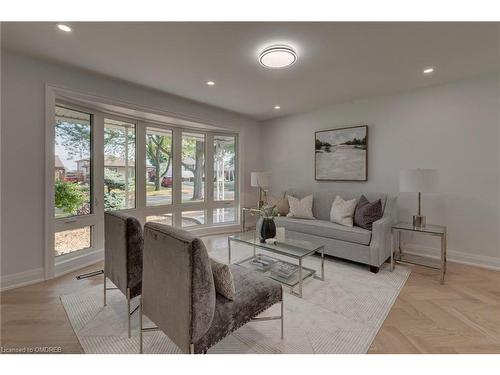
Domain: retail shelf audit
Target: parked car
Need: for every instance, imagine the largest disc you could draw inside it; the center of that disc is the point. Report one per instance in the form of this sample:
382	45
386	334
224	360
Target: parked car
166	181
71	178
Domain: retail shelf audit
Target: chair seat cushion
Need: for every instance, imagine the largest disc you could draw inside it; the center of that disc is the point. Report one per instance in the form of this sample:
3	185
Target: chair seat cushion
255	293
323	228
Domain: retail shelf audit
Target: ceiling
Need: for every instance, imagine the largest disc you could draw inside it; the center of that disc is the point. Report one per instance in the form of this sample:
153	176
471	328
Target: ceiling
336	61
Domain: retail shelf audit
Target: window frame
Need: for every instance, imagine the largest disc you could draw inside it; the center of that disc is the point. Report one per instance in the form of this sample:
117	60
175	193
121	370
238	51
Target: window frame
77	259
129	121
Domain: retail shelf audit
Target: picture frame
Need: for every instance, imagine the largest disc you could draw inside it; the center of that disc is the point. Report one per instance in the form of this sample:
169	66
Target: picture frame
341	154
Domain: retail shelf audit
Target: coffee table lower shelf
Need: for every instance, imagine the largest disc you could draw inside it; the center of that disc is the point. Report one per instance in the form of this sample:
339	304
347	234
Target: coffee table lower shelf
290	282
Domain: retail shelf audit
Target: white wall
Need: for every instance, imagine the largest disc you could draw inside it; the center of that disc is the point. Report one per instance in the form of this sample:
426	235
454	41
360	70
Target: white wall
23	154
454	128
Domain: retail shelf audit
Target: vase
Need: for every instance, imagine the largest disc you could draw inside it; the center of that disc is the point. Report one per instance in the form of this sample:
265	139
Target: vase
265	228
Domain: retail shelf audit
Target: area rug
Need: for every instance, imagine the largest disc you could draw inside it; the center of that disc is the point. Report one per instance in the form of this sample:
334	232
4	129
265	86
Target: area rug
341	314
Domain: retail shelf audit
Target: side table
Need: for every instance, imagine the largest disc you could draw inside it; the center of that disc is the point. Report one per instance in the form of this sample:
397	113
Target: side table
397	255
244	210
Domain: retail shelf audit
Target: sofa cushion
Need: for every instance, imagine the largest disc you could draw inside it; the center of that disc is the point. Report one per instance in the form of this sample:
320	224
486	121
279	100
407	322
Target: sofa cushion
342	211
281	204
323	228
322	200
255	293
367	213
301	208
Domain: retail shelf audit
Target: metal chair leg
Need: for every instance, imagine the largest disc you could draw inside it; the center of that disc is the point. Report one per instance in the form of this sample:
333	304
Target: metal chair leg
282	318
128	311
140	324
104	289
191	348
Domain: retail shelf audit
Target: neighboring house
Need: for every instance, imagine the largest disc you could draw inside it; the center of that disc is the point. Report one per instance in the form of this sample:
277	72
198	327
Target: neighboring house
186	174
111	163
59	169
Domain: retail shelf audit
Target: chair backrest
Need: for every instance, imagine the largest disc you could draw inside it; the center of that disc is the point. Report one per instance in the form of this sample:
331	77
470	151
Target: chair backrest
178	291
123	248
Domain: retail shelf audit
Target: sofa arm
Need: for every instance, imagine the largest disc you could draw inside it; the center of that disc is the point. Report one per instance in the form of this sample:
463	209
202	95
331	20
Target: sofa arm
380	244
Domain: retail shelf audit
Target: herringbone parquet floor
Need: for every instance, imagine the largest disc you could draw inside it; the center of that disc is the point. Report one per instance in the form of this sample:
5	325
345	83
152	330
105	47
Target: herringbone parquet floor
462	316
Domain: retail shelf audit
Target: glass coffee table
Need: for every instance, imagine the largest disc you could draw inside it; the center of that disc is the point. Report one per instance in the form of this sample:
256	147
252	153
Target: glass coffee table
287	273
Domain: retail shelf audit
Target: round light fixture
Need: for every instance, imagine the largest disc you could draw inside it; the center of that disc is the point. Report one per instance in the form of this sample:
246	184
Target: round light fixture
210	83
428	70
277	107
278	56
63	27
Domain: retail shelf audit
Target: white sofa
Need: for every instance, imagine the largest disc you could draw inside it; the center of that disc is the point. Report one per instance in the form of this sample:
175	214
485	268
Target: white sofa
352	243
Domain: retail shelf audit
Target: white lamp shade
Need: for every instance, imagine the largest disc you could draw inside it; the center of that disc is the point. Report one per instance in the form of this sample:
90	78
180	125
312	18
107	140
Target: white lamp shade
418	180
260	179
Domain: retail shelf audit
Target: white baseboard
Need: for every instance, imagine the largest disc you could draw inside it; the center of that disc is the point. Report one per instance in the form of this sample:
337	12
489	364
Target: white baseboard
78	261
483	261
219	229
24	278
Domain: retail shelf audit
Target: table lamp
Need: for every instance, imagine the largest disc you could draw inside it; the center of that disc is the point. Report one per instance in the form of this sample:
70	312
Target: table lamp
260	180
418	181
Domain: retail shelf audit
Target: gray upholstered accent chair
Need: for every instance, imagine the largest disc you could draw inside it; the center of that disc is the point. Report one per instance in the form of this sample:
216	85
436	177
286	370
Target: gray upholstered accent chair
123	247
178	292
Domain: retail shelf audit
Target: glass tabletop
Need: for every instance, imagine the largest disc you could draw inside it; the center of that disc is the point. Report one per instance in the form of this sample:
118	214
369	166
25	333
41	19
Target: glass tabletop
292	246
434	229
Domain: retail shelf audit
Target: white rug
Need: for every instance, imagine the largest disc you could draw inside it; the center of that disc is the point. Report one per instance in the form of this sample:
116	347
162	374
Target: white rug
339	315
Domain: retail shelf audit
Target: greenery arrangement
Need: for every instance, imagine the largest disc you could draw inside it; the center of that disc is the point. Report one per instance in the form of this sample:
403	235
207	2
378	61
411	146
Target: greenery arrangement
268	212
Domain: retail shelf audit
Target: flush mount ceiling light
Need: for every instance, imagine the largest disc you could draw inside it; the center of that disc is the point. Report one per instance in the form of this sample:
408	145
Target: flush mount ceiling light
277	107
210	83
428	70
63	27
277	56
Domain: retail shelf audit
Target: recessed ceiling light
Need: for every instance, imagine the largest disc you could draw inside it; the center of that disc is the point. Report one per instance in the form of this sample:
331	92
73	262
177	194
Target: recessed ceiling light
277	56
210	83
63	27
277	107
428	70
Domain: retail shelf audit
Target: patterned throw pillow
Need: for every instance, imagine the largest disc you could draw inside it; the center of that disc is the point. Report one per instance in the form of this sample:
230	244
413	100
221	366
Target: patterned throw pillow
342	211
366	213
281	204
301	208
223	279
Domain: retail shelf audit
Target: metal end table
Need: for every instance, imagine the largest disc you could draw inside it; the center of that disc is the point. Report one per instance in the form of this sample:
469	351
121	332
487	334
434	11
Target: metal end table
397	255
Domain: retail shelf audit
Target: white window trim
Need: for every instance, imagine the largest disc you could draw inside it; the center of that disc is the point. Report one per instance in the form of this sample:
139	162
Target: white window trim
55	95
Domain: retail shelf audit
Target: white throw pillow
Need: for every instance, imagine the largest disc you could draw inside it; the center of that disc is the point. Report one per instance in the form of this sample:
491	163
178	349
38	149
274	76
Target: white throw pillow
301	208
342	211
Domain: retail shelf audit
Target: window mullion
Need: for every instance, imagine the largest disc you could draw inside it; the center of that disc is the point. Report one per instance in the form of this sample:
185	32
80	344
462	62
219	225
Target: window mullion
177	176
209	177
140	172
97	165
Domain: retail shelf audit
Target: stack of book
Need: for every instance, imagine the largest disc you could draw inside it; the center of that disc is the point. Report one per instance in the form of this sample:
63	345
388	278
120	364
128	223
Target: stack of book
285	270
262	262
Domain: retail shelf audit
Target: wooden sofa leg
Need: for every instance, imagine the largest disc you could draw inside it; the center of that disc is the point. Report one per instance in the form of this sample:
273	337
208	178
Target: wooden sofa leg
374	269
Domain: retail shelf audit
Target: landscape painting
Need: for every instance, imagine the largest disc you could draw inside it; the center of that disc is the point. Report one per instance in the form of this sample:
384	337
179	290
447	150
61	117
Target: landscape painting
341	154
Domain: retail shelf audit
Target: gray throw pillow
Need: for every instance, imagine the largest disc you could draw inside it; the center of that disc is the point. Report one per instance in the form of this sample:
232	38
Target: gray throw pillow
366	213
223	279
